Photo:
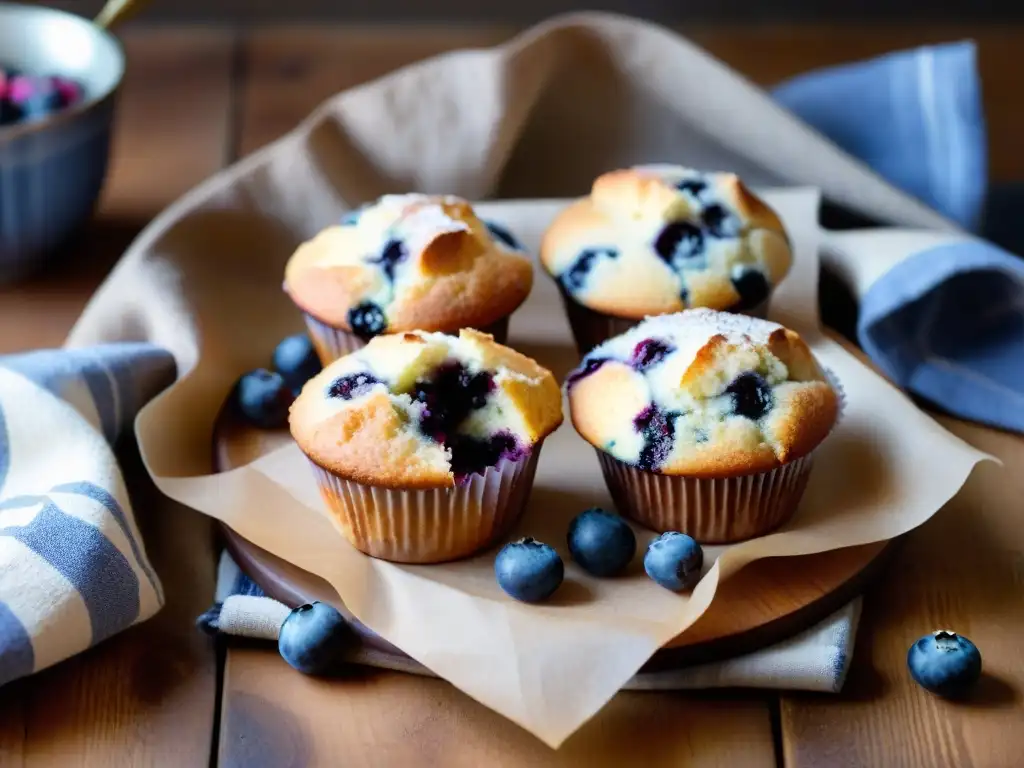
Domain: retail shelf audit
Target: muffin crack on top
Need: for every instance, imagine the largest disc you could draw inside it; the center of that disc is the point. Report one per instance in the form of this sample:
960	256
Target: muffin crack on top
407	262
661	238
703	393
425	410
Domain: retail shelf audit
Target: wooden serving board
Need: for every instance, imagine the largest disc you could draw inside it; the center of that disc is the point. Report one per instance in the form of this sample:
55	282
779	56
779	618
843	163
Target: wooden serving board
765	603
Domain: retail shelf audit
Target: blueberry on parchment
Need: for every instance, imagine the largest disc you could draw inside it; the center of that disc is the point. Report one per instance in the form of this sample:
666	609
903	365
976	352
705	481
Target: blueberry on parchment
263	398
528	570
674	561
314	639
602	543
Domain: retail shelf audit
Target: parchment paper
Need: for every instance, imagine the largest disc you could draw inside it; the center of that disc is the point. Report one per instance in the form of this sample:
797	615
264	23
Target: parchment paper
540	116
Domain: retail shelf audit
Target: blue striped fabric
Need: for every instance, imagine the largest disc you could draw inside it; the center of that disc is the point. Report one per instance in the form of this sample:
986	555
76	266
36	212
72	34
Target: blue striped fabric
73	567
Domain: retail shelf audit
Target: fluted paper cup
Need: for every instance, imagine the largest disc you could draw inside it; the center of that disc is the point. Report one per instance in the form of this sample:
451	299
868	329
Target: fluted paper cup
434	525
331	342
713	510
590	328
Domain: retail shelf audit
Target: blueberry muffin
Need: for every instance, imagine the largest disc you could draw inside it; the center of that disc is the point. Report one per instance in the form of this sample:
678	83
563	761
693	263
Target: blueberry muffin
425	445
705	422
658	239
404	263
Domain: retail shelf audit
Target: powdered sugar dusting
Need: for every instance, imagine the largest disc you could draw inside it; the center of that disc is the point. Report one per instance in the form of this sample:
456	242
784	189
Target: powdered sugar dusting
688	332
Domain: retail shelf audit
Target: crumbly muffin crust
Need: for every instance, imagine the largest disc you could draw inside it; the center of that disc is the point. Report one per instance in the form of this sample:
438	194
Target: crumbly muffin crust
703	393
425	410
407	262
661	238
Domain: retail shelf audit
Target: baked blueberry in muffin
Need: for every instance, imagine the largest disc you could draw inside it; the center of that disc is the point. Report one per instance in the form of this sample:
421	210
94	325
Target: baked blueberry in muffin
418	412
403	263
699	395
657	239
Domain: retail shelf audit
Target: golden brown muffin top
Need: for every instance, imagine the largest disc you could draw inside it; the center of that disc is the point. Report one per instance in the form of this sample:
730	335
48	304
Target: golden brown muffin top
425	410
656	239
410	262
703	393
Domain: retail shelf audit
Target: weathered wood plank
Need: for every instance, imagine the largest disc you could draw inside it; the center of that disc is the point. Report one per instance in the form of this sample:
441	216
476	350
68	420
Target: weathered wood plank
274	716
147	696
963	570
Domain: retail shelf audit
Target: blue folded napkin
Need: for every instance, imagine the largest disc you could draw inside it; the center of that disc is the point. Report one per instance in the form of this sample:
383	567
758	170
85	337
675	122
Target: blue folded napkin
946	323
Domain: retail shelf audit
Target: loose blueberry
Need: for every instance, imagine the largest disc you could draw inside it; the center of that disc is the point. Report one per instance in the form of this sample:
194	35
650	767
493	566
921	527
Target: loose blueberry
500	233
720	222
751	396
575	277
752	286
674	561
945	663
649	352
602	543
658	429
351	386
393	253
296	360
367	319
263	397
680	244
528	570
589	366
314	639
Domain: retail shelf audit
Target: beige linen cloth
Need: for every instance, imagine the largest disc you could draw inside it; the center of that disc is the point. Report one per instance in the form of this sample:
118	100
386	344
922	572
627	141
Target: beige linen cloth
538	117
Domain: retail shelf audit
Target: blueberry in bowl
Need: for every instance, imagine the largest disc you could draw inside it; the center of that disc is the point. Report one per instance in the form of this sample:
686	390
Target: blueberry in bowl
674	561
528	570
602	543
704	421
61	76
315	639
945	663
424	445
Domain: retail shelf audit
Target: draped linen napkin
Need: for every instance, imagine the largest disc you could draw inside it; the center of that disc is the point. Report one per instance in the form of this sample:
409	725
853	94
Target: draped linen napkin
540	116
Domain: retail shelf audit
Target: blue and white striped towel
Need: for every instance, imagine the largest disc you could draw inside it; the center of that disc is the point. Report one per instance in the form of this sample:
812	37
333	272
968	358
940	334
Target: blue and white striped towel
73	568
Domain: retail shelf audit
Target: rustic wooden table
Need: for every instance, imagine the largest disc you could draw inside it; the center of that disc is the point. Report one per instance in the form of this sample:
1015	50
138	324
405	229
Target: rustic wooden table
162	694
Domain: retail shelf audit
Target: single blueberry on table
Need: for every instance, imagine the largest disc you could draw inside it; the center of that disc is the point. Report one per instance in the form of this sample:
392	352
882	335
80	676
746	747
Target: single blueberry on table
680	245
295	358
367	320
314	639
263	398
658	428
751	396
602	543
674	561
649	352
502	234
528	570
945	663
752	286
351	386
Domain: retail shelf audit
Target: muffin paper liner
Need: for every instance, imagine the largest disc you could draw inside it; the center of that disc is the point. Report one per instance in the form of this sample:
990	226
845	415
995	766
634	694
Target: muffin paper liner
332	343
714	510
590	328
434	525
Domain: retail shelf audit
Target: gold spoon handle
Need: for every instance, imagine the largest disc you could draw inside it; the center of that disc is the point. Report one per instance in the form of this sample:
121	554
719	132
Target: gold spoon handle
116	11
